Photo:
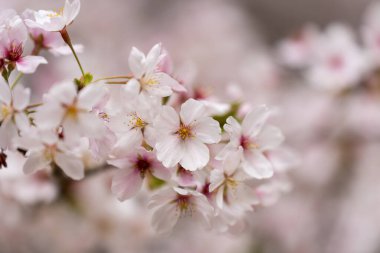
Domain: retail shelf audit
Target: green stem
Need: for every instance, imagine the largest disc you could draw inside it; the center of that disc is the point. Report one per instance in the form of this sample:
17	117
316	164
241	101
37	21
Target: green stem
17	79
66	38
112	77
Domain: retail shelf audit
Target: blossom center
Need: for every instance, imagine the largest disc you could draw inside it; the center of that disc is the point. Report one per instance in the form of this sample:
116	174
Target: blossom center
184	205
142	165
148	81
72	111
55	14
14	52
231	182
184	132
246	143
5	111
136	121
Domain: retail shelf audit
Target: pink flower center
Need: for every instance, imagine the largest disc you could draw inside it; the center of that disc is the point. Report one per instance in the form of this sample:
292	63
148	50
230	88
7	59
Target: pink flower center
184	205
247	143
14	52
142	165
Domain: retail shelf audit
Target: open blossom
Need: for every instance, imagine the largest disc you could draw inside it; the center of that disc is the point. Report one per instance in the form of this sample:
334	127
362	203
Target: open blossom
338	62
55	21
13	36
134	168
134	124
228	181
65	106
51	41
45	148
253	137
12	112
182	139
147	77
173	204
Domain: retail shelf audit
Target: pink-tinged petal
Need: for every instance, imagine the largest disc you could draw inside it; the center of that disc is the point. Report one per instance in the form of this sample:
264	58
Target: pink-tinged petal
152	58
28	64
158	90
232	161
169	150
270	137
126	183
167	121
257	165
64	92
91	125
192	110
230	147
165	218
163	197
207	130
22	121
72	166
220	197
5	93
136	62
232	127
90	96
216	179
8	131
127	143
123	163
132	89
71	10
196	155
254	120
166	80
150	135
20	97
160	171
204	211
36	161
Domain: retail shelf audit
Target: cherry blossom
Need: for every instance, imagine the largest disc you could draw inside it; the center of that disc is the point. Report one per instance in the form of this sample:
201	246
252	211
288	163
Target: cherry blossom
54	21
173	204
134	167
182	138
13	36
252	138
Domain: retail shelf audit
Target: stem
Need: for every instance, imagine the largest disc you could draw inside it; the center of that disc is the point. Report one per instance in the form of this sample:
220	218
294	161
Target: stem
66	38
112	77
15	82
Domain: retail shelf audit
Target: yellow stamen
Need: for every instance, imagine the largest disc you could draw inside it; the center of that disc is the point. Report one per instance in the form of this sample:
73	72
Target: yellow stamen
184	132
59	13
5	111
136	121
72	111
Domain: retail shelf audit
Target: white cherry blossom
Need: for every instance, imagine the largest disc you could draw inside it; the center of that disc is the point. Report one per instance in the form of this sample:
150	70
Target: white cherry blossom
182	138
253	138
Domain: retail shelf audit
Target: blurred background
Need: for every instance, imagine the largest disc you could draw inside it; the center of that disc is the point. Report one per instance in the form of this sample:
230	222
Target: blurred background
334	205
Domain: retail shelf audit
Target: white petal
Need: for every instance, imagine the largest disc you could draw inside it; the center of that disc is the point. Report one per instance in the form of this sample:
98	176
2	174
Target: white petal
254	120
192	110
158	90
207	130
166	80
136	60
71	165
257	165
152	58
127	143
270	137
90	96
22	121
216	179
169	150
21	97
232	127
232	161
36	161
126	183
91	125
5	92
71	10
165	218
28	64
49	115
167	121
161	172
196	155
132	89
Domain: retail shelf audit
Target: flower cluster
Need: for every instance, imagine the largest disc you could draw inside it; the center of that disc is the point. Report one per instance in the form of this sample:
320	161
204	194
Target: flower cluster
198	158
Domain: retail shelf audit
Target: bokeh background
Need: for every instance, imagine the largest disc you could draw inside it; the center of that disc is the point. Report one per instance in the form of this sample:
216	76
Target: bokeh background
334	205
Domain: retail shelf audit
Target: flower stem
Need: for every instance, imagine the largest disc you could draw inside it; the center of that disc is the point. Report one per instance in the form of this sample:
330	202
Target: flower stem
17	79
66	38
112	77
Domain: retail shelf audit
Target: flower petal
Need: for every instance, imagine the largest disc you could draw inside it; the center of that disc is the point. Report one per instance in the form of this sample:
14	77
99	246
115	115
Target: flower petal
257	165
71	165
127	143
254	120
208	130
192	110
36	161
168	121
28	64
21	97
136	62
165	218
196	155
126	183
90	96
270	137
169	150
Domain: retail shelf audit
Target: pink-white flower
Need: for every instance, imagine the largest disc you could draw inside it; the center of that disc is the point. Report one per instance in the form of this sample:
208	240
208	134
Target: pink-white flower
13	104
182	138
51	41
13	35
45	148
55	21
147	77
253	138
134	168
339	62
173	204
228	181
65	106
133	124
